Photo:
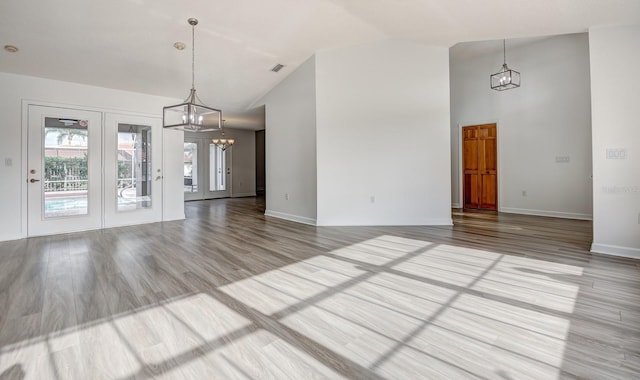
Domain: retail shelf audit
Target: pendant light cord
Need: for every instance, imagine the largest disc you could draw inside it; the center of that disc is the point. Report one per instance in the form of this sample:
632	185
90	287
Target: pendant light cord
193	56
504	51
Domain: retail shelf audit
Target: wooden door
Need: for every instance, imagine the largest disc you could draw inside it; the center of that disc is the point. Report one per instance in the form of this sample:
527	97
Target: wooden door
480	166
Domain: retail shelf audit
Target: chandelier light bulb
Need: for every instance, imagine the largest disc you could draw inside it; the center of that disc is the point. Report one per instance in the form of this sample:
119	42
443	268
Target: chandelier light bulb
223	142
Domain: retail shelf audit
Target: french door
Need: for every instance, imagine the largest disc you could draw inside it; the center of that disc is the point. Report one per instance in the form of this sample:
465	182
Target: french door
88	170
207	170
64	161
132	170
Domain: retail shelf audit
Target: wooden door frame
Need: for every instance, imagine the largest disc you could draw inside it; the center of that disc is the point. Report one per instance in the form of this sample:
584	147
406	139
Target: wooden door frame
460	203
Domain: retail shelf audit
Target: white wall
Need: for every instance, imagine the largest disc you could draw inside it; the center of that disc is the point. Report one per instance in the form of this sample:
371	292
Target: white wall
615	88
16	88
548	116
291	146
383	135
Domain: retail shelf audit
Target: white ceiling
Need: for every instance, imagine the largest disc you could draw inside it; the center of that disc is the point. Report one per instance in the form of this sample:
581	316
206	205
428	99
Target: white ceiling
128	44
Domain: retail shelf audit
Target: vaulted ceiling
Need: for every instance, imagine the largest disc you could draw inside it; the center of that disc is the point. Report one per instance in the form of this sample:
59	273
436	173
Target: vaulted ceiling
128	44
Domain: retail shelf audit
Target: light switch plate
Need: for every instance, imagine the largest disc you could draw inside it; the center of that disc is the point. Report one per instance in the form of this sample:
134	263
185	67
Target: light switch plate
616	153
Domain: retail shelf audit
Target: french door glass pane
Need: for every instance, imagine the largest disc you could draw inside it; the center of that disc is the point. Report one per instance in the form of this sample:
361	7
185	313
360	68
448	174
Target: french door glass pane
217	166
134	177
190	167
65	152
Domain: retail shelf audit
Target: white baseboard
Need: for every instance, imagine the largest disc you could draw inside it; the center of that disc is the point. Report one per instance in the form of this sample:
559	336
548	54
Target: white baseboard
172	218
240	195
553	214
12	237
437	222
456	205
293	218
615	250
358	223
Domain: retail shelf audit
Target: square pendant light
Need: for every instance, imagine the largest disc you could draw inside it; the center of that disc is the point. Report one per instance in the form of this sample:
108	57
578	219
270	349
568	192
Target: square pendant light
191	115
506	78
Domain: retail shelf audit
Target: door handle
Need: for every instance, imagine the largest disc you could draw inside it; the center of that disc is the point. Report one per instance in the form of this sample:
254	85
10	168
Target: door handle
158	177
33	180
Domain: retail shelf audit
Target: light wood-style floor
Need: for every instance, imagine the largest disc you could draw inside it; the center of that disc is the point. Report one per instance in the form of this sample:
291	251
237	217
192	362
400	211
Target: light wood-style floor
232	294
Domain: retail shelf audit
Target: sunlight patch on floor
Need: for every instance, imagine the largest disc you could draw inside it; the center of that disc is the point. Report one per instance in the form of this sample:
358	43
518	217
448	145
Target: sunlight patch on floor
409	308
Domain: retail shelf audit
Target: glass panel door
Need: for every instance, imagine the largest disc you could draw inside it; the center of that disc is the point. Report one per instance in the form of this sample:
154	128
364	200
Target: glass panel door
135	175
132	170
219	172
217	169
66	158
64	179
192	170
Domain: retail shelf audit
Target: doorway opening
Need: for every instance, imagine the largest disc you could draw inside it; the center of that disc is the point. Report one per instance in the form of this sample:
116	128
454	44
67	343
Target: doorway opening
207	169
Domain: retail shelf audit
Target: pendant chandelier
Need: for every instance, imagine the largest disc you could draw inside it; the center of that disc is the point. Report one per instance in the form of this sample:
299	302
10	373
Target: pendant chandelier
506	78
192	115
223	142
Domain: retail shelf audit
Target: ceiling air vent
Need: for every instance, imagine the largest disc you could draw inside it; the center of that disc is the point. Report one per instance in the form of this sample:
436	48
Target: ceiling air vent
277	68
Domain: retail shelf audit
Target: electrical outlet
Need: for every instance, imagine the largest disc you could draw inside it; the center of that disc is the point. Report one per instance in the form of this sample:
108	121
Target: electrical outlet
524	193
8	162
286	196
373	199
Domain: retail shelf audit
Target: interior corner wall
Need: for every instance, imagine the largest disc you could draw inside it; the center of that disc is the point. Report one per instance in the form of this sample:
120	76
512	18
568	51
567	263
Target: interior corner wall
546	119
16	88
383	135
290	146
615	89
